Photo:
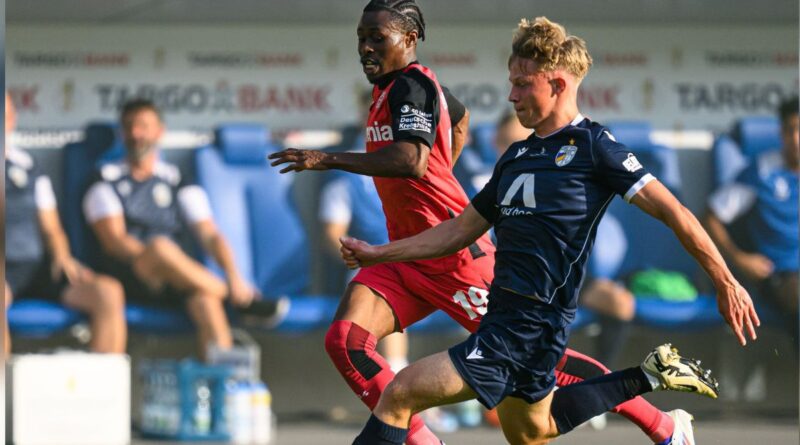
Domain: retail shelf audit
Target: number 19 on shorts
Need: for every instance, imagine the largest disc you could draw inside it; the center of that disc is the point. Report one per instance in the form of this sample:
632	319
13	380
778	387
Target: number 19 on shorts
474	302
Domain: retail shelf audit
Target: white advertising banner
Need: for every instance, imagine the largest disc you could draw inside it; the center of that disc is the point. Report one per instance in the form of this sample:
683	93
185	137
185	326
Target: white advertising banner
308	77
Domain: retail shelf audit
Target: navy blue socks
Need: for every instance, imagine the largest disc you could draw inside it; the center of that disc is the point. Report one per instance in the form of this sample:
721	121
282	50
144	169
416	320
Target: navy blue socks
376	432
575	404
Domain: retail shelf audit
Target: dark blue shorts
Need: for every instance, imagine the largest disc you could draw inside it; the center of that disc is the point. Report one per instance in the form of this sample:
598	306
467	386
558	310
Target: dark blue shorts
514	352
33	279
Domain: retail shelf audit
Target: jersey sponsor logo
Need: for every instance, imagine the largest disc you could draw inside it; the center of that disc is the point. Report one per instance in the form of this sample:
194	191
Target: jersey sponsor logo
542	152
521	152
162	195
526	182
476	354
379	133
565	155
18	176
412	119
631	164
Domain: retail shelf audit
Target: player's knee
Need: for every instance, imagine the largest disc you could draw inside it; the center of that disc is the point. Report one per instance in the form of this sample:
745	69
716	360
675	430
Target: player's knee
161	245
336	339
535	432
110	291
398	394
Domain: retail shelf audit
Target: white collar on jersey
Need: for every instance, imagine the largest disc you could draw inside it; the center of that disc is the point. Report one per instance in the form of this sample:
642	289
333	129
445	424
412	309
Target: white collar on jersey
574	122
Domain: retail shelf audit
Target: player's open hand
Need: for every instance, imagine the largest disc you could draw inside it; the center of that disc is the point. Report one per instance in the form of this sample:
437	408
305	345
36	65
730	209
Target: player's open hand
737	309
299	160
357	253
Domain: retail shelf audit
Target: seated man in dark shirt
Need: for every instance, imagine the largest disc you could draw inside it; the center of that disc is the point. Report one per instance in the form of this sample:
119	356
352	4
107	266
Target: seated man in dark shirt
139	207
38	259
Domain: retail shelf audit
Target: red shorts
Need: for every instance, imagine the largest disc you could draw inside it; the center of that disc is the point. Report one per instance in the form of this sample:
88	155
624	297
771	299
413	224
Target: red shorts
413	294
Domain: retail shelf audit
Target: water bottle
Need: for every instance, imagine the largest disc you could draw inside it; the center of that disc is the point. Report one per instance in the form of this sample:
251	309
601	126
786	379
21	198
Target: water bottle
202	410
262	414
238	412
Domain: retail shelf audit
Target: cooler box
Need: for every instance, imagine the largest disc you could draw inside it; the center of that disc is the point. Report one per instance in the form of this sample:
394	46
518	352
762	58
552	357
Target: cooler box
68	398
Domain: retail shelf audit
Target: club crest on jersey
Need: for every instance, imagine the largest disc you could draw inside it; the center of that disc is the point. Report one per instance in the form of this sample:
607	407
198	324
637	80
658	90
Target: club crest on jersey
565	155
376	133
162	195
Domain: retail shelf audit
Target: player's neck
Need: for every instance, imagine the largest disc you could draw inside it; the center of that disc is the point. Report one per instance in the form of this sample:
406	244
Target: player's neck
143	168
558	119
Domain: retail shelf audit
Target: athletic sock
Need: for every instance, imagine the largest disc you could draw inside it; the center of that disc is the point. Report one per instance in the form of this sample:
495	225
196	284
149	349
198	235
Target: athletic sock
575	404
376	432
352	350
575	367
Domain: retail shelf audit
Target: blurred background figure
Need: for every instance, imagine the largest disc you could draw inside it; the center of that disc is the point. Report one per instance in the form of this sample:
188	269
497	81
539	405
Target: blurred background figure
139	207
38	259
754	221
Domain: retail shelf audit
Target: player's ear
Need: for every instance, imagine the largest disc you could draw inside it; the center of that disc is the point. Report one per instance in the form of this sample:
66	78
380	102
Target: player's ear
559	84
411	39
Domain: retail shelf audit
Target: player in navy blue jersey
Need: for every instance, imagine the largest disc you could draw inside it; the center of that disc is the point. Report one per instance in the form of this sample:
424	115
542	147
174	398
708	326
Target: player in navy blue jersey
545	199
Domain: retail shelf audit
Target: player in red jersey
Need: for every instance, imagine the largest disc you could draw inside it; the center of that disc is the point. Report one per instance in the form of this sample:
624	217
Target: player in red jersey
410	154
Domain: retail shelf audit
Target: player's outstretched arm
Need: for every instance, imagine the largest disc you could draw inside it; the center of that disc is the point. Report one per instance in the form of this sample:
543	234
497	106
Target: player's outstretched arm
444	239
734	303
402	159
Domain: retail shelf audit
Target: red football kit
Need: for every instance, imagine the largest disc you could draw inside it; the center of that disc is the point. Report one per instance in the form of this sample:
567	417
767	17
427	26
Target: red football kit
411	106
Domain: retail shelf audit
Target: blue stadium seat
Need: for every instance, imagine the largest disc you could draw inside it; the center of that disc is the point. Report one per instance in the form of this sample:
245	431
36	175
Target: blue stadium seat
253	209
727	159
79	163
40	318
483	142
757	134
610	248
698	314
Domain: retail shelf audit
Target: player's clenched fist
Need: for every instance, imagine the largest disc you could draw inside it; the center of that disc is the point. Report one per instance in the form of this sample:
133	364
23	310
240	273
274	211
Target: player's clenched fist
357	253
299	160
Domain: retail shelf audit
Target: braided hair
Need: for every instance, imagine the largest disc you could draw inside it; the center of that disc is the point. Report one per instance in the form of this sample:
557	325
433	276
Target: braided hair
405	13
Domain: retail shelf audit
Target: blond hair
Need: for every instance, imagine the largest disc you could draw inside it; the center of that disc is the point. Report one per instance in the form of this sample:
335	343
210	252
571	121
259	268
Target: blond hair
548	44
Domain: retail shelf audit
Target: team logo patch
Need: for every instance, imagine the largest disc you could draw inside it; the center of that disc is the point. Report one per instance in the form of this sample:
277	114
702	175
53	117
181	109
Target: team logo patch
412	119
124	188
631	164
565	155
18	176
782	191
162	195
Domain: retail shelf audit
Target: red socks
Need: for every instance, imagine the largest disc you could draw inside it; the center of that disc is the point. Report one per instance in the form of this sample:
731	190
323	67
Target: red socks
352	350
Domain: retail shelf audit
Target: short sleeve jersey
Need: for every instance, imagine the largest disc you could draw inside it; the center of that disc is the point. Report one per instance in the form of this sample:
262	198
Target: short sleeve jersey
545	198
352	200
28	191
161	205
410	105
766	196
